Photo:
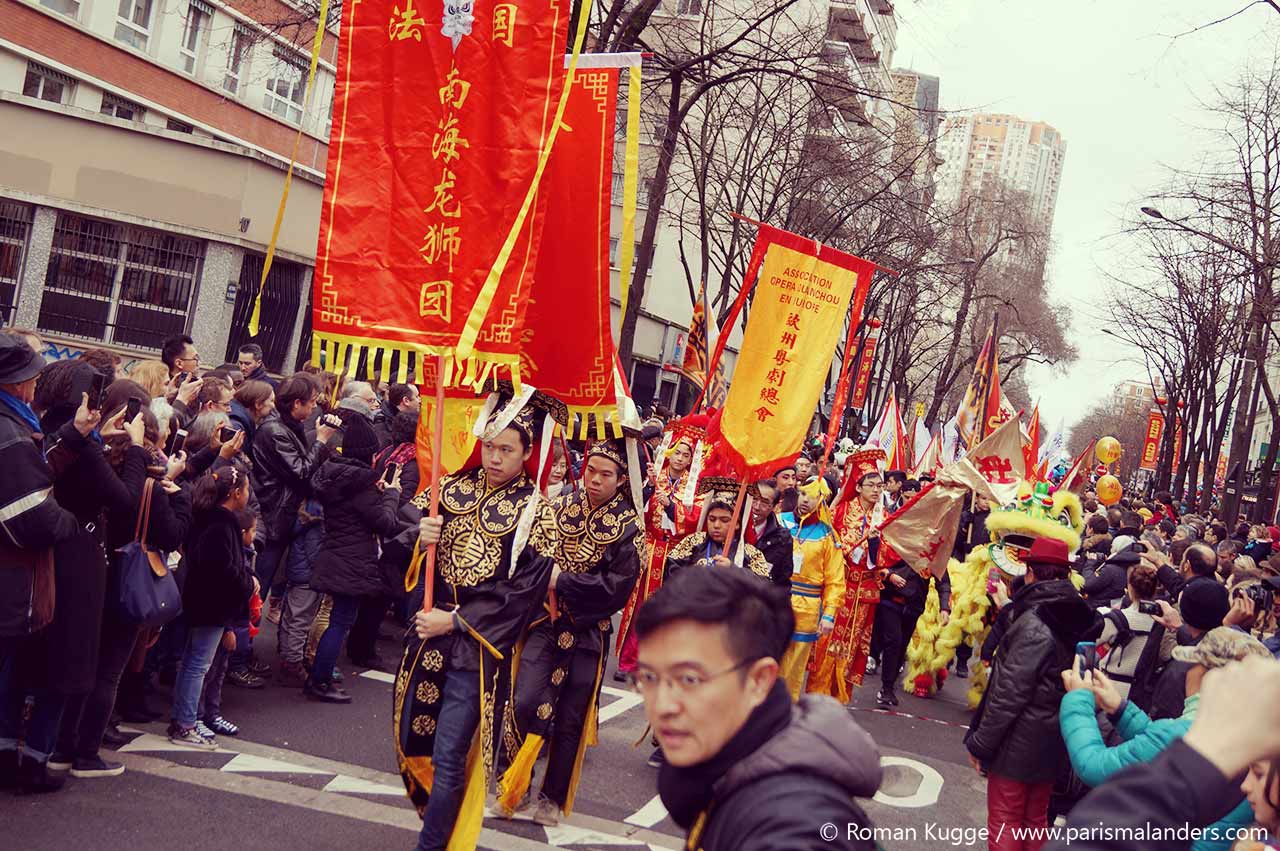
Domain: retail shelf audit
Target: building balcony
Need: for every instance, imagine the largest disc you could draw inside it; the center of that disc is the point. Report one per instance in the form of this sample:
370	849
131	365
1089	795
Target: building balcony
846	22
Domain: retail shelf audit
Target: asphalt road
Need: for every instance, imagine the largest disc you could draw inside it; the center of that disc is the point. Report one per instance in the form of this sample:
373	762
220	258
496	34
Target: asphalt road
315	776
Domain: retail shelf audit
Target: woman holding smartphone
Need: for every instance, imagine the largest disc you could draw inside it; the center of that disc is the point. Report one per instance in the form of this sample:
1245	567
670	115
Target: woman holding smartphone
359	509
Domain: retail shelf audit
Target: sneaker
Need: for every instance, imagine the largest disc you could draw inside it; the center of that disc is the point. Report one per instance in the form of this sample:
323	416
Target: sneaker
372	663
872	665
620	677
204	732
35	778
962	671
886	698
95	766
245	679
325	692
262	669
657	759
292	674
223	727
59	762
548	812
190	738
114	737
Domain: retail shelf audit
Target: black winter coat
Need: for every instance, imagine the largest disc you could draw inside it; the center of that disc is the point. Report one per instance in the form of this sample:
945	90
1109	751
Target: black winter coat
1108	581
775	544
283	464
356	516
1014	731
88	489
219	581
31	523
806	776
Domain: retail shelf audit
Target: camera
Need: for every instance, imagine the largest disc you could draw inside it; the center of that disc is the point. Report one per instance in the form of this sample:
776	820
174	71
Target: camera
1262	596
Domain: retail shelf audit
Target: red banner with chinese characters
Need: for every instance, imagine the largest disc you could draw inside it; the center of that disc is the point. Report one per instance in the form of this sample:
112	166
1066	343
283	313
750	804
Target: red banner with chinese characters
868	358
430	221
568	345
1151	442
798	310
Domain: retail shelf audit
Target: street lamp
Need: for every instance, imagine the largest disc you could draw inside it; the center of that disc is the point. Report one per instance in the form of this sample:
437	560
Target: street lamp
1152	212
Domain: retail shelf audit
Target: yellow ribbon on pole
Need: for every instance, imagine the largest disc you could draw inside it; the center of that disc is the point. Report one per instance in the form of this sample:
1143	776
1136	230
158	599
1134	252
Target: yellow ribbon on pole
630	186
288	175
467	341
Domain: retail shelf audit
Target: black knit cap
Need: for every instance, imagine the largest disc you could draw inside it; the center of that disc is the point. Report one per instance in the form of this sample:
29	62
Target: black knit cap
358	438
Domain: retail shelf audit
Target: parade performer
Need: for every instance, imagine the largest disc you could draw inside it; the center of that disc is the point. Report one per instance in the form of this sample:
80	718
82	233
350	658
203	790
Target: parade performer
709	547
496	548
1039	512
597	561
818	584
669	516
840	659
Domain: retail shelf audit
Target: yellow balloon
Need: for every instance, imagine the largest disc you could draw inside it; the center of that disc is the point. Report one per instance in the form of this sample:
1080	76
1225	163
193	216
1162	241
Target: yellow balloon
1107	450
1109	490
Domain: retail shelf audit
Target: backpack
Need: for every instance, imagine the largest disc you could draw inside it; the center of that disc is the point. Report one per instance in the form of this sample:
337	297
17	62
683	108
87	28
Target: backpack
1149	667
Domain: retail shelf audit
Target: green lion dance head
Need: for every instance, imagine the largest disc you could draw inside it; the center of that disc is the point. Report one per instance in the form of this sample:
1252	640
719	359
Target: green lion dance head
1036	513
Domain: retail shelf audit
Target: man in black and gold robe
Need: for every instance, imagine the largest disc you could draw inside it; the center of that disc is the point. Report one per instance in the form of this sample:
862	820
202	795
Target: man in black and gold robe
707	548
598	555
452	692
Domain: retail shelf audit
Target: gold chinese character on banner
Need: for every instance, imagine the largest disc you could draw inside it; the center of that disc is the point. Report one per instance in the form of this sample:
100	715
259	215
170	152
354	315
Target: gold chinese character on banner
405	24
444	197
440	241
446	141
455	89
435	299
504	23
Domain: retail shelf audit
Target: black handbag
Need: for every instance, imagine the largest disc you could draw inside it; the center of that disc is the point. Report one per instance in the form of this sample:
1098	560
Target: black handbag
146	592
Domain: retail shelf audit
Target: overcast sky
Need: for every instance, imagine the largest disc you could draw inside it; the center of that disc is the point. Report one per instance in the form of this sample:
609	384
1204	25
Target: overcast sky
1124	93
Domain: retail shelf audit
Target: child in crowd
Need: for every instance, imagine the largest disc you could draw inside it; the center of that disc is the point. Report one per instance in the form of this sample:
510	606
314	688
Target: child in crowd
238	632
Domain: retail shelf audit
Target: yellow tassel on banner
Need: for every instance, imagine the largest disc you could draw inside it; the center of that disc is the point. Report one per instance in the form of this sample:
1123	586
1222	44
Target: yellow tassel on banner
630	184
467	342
322	17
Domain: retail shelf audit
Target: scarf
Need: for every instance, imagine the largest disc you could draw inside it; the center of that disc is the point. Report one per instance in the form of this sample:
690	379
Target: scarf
22	409
686	792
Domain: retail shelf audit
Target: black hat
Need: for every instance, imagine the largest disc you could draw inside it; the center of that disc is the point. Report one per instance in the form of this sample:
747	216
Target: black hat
614	449
358	438
18	361
1204	603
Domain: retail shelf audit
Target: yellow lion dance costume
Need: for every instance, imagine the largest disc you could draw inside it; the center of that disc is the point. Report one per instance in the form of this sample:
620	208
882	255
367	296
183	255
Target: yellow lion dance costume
1037	513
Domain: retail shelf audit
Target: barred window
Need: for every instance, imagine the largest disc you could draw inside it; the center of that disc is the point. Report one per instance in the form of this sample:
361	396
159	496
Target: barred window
281	300
15	232
47	84
118	283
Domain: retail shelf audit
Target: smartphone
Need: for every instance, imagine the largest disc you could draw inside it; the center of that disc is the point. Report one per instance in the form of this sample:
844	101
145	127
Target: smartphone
390	472
132	409
1087	651
179	441
181	378
96	385
226	434
1149	607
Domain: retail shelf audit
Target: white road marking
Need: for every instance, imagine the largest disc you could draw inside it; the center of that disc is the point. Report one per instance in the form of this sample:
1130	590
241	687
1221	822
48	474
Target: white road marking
345	783
628	700
926	794
380	676
648	815
569	834
259	764
618	692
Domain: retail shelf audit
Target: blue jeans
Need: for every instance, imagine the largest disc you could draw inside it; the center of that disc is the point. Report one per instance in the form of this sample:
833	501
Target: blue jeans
197	657
455	728
41	730
341	618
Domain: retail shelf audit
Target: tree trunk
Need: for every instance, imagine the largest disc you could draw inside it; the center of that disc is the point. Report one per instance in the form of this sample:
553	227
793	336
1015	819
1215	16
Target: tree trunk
644	251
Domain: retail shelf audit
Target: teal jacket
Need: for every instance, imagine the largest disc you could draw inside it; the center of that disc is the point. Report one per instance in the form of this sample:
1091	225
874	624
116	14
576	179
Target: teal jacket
1143	739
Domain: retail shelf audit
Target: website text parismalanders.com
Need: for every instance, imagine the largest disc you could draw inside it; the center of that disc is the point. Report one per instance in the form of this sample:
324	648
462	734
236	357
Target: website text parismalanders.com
962	837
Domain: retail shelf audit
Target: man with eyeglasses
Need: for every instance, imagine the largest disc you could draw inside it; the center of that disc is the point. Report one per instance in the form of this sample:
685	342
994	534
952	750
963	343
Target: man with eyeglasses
746	769
597	561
